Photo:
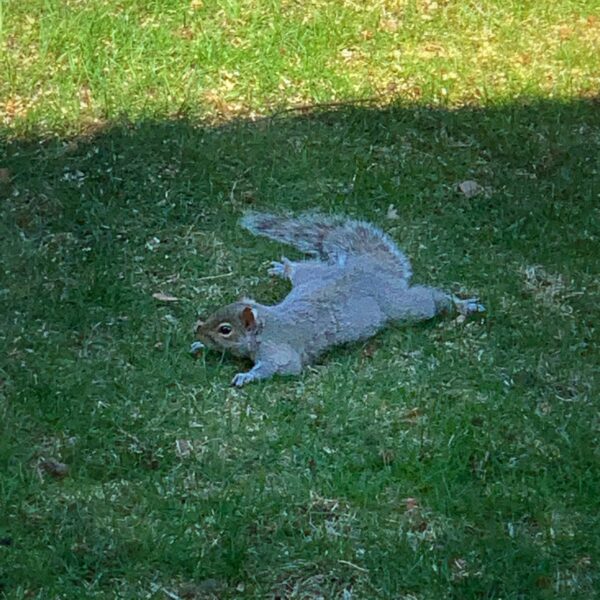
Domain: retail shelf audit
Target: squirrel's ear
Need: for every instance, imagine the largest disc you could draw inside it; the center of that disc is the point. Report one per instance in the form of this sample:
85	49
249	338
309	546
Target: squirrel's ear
248	317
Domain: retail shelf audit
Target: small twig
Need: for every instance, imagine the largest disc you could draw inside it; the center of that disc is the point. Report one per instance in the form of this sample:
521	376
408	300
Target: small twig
326	105
158	588
232	192
231	196
194	223
216	276
347	562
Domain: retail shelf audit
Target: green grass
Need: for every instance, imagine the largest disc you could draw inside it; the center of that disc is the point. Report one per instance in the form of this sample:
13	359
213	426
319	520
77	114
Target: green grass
70	63
444	460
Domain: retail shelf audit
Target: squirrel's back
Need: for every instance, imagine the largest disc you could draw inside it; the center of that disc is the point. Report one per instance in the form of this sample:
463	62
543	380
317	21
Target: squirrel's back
331	238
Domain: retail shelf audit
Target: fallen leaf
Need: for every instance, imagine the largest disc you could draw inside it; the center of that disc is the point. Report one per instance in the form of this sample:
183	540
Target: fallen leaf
207	588
392	213
412	415
369	350
389	25
85	97
54	468
543	582
387	456
584	561
248	197
470	188
4	175
164	297
183	447
411	503
153	243
187	33
459	568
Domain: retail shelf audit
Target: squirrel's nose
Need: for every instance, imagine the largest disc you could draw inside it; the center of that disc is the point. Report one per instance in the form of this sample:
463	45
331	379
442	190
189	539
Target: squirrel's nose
196	347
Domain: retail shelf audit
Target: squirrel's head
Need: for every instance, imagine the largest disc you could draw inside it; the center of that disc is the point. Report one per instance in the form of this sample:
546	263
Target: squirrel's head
231	328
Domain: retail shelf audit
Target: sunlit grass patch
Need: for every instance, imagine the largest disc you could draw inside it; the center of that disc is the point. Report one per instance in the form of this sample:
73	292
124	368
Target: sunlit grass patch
75	64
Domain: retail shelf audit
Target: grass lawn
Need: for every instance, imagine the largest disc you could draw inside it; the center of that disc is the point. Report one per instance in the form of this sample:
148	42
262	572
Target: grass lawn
444	460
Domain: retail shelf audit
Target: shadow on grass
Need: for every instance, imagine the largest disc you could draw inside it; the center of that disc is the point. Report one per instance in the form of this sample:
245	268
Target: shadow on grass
104	197
93	226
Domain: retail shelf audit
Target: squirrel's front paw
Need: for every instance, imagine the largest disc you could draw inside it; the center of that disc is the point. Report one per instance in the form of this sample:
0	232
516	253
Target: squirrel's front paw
468	306
242	379
280	269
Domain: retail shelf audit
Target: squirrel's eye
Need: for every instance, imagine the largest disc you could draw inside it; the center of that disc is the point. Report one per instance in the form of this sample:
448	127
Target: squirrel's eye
225	329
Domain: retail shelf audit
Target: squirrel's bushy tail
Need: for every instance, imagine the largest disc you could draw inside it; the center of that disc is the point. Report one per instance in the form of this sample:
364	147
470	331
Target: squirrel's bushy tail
331	238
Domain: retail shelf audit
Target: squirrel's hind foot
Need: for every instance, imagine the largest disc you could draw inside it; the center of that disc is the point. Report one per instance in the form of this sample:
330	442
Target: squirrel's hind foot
468	306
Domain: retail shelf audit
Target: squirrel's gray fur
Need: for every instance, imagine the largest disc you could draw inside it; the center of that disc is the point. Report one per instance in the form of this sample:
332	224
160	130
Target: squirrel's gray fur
357	281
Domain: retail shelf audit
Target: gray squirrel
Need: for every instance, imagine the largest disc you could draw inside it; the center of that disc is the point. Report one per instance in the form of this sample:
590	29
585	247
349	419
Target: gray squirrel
356	282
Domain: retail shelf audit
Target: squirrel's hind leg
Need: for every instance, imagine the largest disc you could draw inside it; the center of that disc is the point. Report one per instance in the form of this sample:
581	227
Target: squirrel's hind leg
420	302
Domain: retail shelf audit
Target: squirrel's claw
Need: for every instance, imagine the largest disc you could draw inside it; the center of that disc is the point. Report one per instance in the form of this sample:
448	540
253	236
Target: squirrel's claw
280	269
277	269
242	378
